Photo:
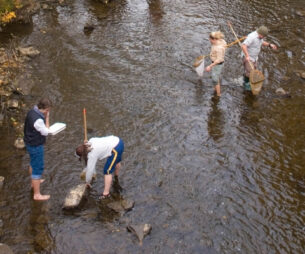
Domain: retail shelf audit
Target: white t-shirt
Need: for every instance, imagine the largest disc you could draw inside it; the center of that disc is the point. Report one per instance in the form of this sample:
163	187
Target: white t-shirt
41	127
101	148
254	44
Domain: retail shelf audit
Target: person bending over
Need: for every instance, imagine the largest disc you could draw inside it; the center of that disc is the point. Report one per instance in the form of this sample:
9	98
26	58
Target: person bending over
98	148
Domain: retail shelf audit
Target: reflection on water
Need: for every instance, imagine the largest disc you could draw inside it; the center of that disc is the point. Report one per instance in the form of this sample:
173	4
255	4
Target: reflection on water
224	175
215	120
39	228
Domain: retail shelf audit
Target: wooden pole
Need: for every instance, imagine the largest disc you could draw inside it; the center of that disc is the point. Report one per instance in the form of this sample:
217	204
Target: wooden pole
85	125
230	25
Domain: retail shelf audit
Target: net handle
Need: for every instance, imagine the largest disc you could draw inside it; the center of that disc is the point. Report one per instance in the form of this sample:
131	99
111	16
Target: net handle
230	25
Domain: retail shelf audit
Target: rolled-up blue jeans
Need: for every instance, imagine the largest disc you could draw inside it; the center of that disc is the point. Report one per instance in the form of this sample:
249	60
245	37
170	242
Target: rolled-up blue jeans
36	160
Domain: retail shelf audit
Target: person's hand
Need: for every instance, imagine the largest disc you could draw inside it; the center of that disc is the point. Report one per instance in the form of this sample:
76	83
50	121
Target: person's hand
273	46
208	68
248	58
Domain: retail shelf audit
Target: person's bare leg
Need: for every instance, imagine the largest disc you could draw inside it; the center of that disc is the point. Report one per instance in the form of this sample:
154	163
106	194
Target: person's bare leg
108	181
36	187
117	169
30	172
217	89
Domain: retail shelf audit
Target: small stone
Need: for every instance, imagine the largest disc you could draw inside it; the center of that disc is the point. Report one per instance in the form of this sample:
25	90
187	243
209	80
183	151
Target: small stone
1	181
45	6
280	91
28	51
19	143
285	78
88	28
303	75
300	13
1	118
12	103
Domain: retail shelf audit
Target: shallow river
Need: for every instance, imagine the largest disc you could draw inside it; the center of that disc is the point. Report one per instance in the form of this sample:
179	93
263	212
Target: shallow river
210	176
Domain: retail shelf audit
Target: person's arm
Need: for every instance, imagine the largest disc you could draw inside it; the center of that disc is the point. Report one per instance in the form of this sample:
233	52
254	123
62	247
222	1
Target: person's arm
40	126
47	119
92	159
244	47
270	45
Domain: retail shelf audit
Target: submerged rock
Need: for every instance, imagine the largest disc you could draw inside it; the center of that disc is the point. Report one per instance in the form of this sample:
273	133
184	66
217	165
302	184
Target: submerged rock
88	28
140	231
121	206
5	249
75	196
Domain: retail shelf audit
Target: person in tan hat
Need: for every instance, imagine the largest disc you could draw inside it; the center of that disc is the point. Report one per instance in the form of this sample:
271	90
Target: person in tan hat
217	56
251	48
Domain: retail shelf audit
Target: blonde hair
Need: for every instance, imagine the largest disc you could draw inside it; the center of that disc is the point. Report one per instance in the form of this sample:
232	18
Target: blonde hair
217	35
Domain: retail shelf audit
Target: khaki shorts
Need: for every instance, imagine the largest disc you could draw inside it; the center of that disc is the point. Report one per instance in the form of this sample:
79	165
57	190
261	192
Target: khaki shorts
216	73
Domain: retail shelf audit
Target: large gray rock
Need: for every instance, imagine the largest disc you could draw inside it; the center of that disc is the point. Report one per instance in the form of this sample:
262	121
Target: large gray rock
140	231
4	249
75	196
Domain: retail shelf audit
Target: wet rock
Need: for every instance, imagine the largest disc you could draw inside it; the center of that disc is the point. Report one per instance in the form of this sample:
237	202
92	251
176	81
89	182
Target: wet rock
280	91
88	28
28	51
75	196
127	204
1	182
19	143
140	231
5	249
45	6
12	104
121	206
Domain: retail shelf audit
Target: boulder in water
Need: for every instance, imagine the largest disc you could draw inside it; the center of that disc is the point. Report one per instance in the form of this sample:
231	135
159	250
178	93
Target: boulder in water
140	231
75	196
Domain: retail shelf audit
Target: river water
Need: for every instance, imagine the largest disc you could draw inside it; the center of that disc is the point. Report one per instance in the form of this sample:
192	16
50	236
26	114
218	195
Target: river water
210	176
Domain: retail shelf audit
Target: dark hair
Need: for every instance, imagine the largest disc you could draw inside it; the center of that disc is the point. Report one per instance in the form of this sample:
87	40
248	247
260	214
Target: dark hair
44	103
82	152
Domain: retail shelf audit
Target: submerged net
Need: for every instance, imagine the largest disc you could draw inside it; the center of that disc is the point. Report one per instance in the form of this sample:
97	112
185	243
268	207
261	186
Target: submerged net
256	80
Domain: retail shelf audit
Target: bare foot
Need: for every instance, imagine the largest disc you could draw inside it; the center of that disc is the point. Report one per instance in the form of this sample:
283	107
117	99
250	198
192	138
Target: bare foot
40	197
41	181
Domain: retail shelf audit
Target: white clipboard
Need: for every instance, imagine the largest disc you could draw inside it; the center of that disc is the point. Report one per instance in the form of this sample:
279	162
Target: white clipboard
56	128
